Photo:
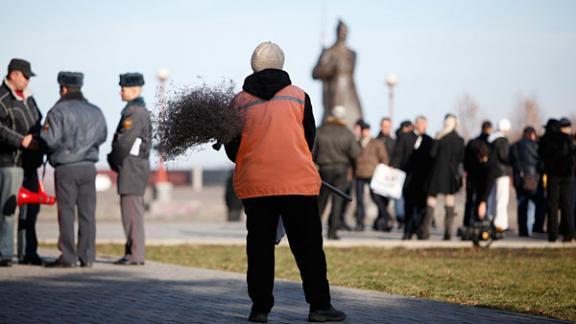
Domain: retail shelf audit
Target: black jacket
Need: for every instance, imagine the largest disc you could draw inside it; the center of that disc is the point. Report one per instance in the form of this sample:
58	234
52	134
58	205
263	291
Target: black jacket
133	167
418	167
558	154
265	84
403	150
471	161
499	152
17	119
73	131
448	154
525	160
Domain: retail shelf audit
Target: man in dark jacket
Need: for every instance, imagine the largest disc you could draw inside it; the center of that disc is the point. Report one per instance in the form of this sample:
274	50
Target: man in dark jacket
526	178
499	154
335	153
558	153
472	167
130	158
404	128
19	123
412	155
72	133
275	176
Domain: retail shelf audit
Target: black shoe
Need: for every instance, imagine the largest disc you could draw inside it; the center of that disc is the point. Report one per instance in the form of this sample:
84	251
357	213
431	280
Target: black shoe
32	260
5	263
333	237
423	236
59	264
406	237
125	261
344	227
359	228
447	237
326	315
86	264
259	317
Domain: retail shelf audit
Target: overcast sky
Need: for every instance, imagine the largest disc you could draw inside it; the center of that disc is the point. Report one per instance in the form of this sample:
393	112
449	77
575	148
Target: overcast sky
494	50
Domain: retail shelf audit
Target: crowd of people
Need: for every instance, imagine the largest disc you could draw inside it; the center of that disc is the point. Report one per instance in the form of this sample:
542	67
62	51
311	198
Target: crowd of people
540	168
70	136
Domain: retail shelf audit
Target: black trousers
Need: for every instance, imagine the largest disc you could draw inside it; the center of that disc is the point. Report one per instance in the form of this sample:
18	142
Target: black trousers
304	231
470	206
414	210
523	198
27	217
560	191
380	201
76	188
337	177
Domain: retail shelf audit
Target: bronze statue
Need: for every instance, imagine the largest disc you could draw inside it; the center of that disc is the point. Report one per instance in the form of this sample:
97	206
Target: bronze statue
335	68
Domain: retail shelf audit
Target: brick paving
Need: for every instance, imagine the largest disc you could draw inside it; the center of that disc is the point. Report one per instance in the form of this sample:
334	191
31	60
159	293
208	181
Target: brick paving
162	293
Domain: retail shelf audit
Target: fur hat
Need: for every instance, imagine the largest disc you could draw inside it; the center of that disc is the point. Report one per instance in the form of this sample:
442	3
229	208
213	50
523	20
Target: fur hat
267	55
131	80
71	79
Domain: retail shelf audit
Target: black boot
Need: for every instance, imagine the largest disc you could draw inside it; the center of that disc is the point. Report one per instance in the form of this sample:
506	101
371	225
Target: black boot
424	228
449	220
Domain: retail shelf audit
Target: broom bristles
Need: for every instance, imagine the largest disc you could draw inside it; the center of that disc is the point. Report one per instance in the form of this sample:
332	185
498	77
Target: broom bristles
197	115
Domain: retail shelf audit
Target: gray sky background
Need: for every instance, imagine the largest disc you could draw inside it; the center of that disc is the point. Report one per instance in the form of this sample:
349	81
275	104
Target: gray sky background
494	50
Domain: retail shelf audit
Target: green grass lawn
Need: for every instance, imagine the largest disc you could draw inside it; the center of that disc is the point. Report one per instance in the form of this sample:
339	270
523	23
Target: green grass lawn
535	281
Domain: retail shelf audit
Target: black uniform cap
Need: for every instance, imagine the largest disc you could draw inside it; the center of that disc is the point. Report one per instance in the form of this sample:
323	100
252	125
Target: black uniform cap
22	66
131	80
71	79
565	122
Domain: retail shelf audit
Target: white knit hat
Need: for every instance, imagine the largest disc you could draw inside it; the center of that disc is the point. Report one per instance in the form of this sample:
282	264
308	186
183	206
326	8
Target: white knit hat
504	125
267	55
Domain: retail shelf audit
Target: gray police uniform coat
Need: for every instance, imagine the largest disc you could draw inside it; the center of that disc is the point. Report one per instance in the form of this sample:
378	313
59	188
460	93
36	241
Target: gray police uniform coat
133	170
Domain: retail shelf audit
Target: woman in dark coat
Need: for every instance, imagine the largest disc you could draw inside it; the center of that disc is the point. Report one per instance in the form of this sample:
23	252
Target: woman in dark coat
445	178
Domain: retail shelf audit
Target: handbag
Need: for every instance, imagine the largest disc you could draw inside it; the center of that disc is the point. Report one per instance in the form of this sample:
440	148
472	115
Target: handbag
530	183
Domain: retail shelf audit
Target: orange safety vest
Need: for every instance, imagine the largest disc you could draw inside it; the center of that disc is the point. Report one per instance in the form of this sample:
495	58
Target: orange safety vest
273	158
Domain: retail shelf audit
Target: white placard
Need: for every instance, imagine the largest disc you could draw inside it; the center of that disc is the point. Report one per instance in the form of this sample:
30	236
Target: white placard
388	181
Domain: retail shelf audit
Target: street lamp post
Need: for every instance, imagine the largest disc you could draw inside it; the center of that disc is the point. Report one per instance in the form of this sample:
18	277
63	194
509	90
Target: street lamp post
391	82
163	188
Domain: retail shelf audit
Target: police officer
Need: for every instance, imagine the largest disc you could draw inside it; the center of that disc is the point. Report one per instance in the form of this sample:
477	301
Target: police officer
73	131
130	158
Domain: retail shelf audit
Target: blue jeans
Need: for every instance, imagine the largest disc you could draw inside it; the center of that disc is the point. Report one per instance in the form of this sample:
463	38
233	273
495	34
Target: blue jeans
10	182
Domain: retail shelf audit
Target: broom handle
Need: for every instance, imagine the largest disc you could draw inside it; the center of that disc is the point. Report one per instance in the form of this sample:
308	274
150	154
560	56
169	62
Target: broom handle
336	191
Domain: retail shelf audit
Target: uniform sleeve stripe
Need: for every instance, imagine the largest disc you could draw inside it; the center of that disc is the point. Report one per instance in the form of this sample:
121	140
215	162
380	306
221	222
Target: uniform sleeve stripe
277	98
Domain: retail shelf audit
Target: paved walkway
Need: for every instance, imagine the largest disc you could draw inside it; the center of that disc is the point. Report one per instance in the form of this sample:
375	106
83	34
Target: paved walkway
159	293
223	233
